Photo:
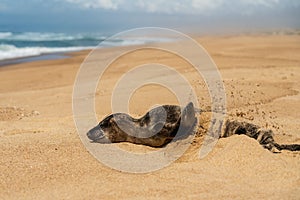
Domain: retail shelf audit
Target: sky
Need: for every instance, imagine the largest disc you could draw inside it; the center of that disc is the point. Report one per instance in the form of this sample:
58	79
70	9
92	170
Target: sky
110	16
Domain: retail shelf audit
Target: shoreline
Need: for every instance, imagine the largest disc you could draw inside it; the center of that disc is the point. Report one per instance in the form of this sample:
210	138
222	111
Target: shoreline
66	54
62	55
42	57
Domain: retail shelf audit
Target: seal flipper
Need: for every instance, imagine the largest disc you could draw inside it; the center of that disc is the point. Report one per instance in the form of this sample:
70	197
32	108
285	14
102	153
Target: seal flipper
289	147
263	136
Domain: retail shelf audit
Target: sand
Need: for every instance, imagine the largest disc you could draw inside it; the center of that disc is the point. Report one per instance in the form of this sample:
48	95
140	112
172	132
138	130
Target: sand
42	156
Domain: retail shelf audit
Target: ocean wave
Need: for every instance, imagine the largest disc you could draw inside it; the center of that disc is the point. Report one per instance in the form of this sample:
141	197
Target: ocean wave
11	51
120	42
37	36
24	44
132	41
4	35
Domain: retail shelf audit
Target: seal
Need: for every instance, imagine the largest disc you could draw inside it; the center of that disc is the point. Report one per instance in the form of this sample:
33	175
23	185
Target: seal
163	124
156	128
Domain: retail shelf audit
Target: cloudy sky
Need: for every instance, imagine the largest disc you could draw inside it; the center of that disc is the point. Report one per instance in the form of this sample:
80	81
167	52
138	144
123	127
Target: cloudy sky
116	15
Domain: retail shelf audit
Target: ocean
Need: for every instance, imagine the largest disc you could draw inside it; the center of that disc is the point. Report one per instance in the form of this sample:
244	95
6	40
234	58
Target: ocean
18	45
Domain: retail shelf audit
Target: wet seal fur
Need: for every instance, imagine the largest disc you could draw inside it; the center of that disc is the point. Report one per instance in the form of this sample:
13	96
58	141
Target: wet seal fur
156	128
162	124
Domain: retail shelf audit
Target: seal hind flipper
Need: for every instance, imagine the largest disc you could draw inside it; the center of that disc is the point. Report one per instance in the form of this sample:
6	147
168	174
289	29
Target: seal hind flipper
289	147
265	137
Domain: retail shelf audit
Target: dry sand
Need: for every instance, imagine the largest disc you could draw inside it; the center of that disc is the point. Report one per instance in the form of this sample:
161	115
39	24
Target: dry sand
42	156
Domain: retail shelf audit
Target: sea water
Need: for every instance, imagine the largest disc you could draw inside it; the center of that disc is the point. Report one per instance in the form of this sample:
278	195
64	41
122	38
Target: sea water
26	44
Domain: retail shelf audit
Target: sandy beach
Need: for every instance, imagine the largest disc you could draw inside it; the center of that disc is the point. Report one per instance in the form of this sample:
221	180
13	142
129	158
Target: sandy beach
42	156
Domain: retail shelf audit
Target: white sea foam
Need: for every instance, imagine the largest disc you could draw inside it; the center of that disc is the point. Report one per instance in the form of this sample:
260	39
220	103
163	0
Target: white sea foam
10	51
133	41
4	35
24	44
36	36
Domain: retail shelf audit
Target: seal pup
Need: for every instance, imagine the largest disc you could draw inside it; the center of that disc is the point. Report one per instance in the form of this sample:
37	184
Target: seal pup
156	128
162	124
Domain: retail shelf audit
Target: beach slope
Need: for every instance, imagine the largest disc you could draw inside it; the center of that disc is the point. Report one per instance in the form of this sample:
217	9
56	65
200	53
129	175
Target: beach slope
42	156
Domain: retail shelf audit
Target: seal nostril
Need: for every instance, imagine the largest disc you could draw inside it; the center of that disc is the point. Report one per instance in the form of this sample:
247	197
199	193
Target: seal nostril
95	134
90	135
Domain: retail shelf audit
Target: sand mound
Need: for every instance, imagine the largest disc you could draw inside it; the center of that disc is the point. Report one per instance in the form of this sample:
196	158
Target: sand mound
240	146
